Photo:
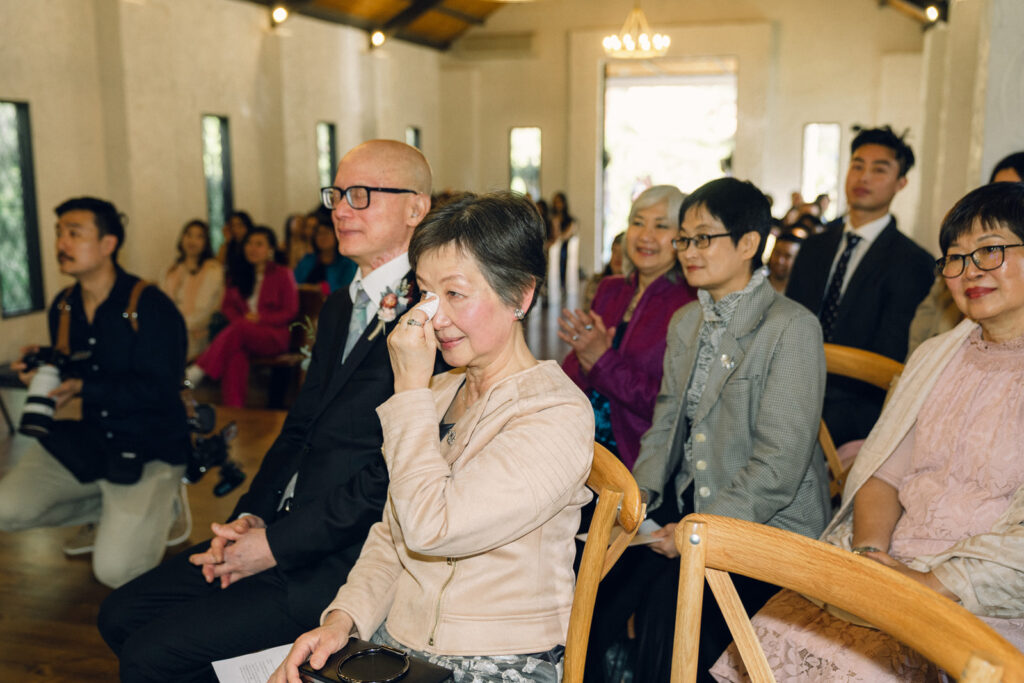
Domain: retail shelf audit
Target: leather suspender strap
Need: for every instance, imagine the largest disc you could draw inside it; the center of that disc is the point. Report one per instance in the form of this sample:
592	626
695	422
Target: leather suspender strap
64	323
132	312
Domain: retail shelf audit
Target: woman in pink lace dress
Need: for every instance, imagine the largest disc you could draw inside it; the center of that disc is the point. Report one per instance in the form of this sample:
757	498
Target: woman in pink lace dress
937	492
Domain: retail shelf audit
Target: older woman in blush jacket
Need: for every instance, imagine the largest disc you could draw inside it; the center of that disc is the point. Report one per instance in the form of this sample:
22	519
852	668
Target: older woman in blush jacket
618	346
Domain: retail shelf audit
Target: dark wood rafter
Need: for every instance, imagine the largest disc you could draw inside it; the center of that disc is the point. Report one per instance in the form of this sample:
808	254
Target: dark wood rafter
431	23
460	15
410	14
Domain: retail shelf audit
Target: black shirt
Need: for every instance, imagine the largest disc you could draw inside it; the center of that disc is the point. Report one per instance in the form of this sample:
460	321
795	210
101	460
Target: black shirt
131	382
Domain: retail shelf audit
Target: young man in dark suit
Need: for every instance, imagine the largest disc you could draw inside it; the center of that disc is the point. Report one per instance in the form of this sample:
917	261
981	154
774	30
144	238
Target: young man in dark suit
271	569
863	277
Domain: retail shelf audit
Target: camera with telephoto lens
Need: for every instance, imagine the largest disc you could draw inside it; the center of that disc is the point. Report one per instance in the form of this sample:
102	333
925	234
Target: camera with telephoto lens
211	450
51	368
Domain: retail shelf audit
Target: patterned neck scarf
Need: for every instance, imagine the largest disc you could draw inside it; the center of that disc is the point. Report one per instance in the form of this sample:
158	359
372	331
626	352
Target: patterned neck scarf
717	316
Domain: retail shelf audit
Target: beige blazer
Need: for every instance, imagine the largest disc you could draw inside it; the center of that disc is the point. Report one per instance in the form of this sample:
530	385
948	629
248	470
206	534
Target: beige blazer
474	553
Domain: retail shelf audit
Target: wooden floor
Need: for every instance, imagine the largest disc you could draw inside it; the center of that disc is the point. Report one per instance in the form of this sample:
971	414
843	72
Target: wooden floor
49	602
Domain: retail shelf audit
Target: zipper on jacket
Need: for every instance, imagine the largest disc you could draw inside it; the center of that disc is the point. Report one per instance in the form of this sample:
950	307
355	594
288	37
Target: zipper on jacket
437	609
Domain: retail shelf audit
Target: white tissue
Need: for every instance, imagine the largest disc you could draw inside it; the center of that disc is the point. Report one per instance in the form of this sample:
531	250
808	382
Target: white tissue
429	304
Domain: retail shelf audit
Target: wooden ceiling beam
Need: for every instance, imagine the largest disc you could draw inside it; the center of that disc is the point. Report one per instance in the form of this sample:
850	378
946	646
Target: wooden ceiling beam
460	15
410	14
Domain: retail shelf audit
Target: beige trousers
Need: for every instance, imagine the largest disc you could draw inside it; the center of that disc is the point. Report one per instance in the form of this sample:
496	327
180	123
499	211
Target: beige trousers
132	520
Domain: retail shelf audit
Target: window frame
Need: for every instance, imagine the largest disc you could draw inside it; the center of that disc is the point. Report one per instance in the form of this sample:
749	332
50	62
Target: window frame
227	189
30	210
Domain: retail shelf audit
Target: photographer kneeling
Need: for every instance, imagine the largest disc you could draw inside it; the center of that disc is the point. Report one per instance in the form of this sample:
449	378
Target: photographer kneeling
123	351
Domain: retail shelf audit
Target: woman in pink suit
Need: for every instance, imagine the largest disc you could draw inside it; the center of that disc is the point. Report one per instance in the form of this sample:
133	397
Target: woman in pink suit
260	304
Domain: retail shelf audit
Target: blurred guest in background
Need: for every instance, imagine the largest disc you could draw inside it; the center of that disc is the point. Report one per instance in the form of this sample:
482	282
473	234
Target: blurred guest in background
236	227
260	304
780	263
613	267
195	283
296	242
325	266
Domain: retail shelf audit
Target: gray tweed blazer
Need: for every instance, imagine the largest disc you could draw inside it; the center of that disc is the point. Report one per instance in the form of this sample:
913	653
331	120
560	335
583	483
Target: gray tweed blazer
755	454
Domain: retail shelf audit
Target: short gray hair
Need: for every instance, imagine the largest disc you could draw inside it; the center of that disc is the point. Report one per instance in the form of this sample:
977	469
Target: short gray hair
670	195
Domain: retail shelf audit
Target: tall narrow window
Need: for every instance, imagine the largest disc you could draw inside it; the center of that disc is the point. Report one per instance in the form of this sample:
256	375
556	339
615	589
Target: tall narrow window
412	136
217	170
21	282
820	173
524	161
326	152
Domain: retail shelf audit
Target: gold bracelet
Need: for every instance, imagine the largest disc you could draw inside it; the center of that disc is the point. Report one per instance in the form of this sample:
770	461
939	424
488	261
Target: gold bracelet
861	549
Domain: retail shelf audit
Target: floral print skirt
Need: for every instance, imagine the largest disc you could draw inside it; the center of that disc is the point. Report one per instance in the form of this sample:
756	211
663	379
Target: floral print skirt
541	667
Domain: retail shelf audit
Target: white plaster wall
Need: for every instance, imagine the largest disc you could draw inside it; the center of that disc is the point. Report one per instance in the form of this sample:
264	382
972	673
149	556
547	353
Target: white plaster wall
59	79
1004	97
824	64
117	88
974	96
901	104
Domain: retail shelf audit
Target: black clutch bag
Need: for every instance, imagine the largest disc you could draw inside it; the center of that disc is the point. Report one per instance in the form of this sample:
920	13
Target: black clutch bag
363	662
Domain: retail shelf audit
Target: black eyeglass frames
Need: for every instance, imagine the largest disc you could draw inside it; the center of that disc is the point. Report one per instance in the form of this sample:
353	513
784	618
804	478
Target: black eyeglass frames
357	196
985	258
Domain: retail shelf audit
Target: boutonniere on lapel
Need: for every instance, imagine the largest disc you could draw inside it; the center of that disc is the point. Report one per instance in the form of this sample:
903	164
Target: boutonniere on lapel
392	305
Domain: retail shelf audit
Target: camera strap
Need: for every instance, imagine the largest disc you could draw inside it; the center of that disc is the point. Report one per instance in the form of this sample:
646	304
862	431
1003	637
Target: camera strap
63	344
131	314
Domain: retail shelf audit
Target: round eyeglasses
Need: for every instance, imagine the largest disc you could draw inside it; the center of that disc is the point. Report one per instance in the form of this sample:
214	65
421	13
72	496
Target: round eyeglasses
985	258
357	196
700	241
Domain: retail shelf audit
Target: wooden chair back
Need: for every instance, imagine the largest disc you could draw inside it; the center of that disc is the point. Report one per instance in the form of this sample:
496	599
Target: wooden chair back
866	366
619	507
940	629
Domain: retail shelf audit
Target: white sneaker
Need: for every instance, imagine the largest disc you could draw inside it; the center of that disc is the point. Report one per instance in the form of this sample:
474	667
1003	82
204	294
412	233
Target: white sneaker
182	526
82	542
194	375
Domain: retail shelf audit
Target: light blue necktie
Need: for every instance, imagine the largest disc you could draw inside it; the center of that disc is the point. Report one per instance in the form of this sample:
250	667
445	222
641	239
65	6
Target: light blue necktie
357	323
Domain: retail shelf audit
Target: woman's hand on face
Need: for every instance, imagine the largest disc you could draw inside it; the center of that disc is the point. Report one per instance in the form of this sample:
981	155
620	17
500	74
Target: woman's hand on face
666	543
412	347
316	645
586	334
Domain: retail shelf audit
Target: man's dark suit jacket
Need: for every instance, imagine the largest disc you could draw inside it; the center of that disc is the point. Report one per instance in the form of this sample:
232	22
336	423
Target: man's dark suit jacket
332	438
874	313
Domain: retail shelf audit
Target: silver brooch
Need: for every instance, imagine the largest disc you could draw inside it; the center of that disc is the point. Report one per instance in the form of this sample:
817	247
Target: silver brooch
451	437
727	362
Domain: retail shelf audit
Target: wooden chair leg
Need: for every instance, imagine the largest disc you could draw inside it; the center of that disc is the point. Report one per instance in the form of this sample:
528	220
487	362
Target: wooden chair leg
689	604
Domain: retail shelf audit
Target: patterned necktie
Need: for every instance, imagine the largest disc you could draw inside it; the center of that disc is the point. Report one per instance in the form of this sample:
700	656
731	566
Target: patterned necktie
830	304
357	323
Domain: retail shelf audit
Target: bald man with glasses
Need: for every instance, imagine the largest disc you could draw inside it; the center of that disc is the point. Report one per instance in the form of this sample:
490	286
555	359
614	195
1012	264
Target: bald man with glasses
266	575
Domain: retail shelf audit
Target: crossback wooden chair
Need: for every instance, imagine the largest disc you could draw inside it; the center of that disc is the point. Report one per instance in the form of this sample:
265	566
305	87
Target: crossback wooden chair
619	507
937	628
866	366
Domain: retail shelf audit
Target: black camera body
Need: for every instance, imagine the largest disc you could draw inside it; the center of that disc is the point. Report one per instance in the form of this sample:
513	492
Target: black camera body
210	450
